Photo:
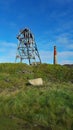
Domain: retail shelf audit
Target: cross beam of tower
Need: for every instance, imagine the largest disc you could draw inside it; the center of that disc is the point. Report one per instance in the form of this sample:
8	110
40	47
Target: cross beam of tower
27	48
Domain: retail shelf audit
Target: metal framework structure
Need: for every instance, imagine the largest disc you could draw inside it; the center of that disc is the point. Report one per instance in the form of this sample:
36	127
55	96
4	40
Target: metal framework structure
27	48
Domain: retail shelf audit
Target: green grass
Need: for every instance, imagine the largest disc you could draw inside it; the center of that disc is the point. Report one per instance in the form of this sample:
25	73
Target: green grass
26	107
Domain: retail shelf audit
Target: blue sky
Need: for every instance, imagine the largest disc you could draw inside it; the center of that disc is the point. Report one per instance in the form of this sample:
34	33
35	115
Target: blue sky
51	22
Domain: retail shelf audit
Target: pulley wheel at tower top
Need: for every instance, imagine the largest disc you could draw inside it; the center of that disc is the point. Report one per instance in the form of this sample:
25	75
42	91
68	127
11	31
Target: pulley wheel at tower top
26	35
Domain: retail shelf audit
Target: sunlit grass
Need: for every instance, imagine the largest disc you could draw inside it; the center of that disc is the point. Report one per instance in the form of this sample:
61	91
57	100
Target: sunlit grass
49	106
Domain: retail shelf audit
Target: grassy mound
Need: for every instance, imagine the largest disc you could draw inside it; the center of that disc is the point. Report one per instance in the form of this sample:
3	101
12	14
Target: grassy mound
25	107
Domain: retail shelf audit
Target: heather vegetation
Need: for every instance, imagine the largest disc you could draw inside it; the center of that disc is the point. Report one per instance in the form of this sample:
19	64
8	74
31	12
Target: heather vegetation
27	107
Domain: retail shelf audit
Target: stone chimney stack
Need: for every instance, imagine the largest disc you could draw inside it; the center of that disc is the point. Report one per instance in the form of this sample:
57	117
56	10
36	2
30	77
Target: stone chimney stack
55	56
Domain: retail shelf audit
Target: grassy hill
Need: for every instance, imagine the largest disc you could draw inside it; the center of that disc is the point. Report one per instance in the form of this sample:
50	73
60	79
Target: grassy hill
27	107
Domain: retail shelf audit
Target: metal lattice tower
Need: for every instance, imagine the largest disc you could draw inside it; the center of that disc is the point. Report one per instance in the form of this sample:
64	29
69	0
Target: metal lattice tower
27	48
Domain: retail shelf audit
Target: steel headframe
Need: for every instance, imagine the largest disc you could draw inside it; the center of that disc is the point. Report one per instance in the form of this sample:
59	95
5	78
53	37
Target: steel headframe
27	48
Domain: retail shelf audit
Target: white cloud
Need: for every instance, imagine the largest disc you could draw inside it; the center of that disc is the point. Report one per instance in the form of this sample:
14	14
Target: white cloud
62	40
7	44
70	46
7	51
6	59
65	54
65	57
8	54
46	57
65	41
2	50
62	57
66	62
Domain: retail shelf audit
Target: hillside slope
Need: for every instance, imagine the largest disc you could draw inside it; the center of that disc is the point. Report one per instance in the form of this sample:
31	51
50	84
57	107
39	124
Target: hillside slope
27	107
